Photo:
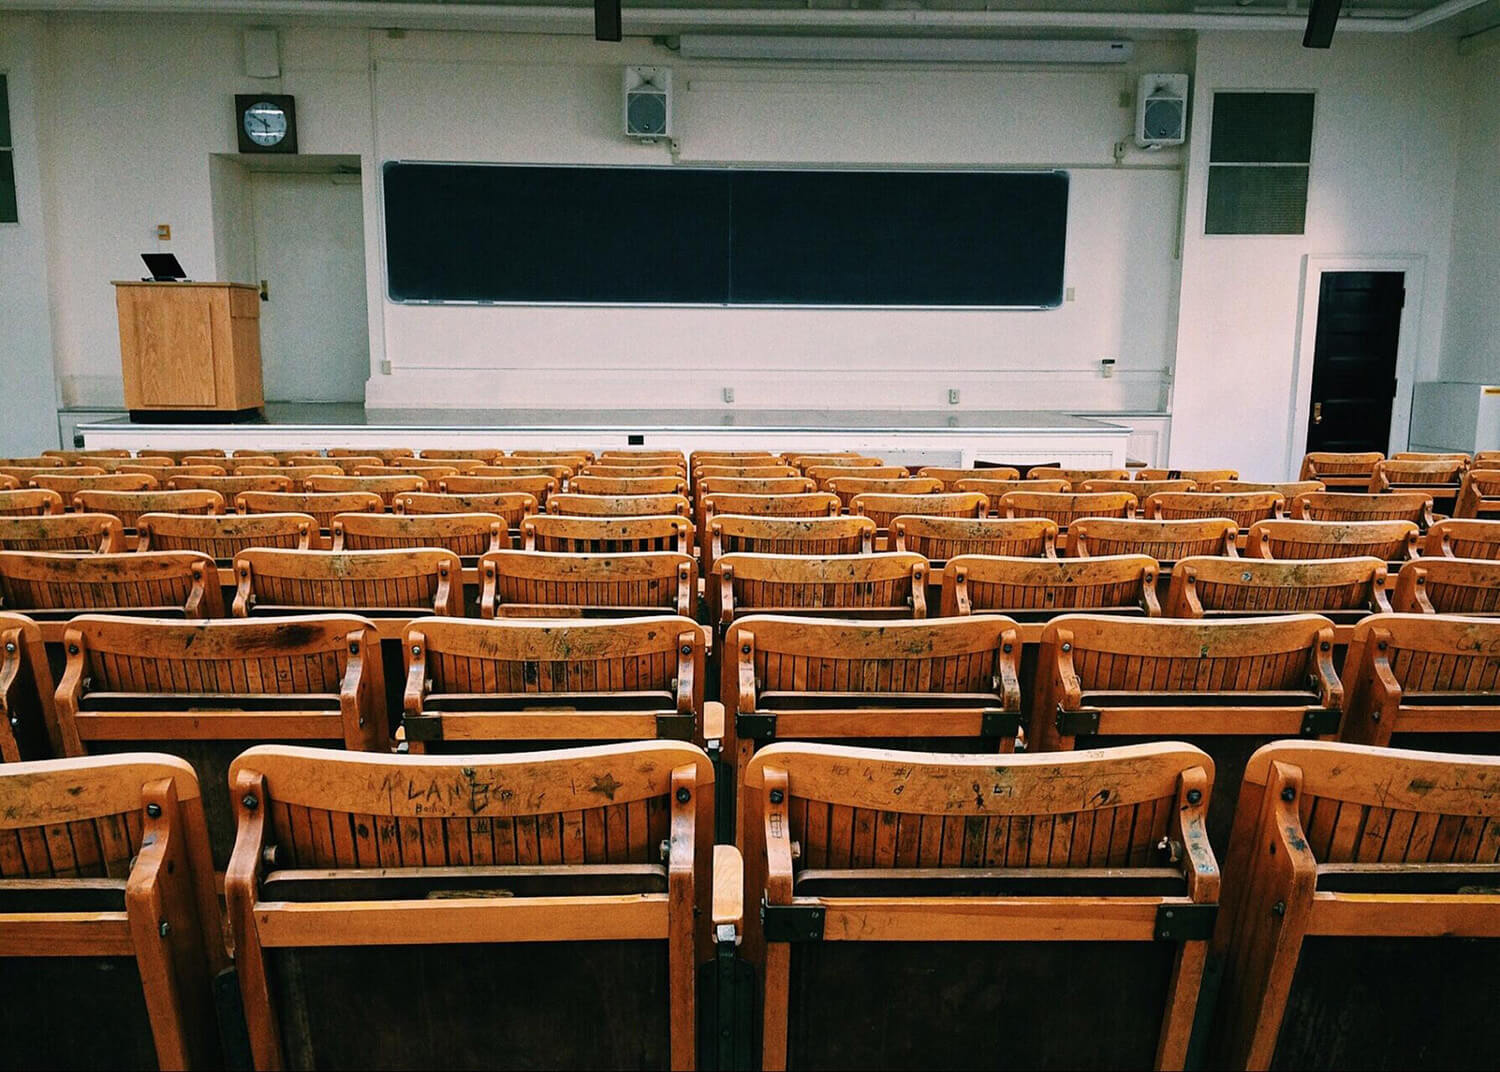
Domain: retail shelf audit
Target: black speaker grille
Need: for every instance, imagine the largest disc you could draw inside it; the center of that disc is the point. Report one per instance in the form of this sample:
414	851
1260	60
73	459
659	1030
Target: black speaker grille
1259	155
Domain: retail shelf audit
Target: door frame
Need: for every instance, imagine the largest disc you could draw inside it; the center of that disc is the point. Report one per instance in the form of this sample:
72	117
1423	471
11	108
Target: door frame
1414	267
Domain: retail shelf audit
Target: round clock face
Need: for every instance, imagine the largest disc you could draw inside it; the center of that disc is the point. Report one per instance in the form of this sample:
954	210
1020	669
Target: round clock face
265	123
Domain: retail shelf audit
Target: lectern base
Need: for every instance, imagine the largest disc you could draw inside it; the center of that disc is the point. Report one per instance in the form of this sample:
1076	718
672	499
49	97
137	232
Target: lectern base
196	416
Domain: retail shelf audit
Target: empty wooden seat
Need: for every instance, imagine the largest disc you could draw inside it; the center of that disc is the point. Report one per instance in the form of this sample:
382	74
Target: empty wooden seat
466	535
1479	494
1203	477
68	486
1441	585
519	680
589	484
823	474
1360	928
222	536
713	457
1486	459
435	467
162	473
1438	478
1287	489
1075	476
56	587
420	581
551	584
607	535
1415	506
231	487
25	475
387	487
1464	538
511	505
1390	541
90	533
385	454
33	462
511	468
128	506
734	533
280	456
1165	541
430	473
617	505
181	455
1245	508
1340	589
808	504
232	465
847	459
350	465
890	584
726	485
941	538
482	454
28	722
620	455
109	921
1141	489
1064	507
641	470
1340	471
204	690
573	458
1431	456
1424	681
538	485
1037	589
29	502
883	508
81	455
322	506
996	488
950	476
297	474
747	471
522	886
1055	908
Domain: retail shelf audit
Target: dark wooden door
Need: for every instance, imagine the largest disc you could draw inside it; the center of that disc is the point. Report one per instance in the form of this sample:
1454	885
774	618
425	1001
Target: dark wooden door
1354	360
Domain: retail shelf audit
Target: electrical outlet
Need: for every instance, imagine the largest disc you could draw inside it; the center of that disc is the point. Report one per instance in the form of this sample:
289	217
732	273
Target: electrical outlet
164	232
1106	367
729	394
953	396
385	368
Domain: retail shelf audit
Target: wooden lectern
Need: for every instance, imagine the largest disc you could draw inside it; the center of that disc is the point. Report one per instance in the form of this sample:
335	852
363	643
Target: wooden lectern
190	350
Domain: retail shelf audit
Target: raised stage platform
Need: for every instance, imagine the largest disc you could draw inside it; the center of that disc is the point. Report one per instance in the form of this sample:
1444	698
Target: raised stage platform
934	437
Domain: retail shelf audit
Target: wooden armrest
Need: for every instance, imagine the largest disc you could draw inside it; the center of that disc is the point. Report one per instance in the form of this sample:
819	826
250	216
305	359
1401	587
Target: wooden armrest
713	721
729	887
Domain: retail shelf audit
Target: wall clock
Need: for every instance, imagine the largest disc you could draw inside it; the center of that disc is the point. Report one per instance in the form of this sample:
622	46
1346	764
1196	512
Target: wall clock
265	122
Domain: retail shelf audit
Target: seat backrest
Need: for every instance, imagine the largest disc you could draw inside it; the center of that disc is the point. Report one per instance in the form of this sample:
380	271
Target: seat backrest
637	470
297	474
589	484
751	470
93	533
231	487
385	454
825	473
1487	459
512	468
322	506
531	583
618	505
1141	489
1076	476
182	455
387	487
576	457
1415	506
1464	538
1203	477
28	720
349	464
121	914
164	472
1448	586
1245	508
467	535
607	535
167	582
942	538
808	504
433	468
1033	589
430	473
1337	587
222	536
128	506
996	488
1479	495
1366	859
423	580
1165	541
563	841
885	584
733	533
1389	541
950	476
26	474
1287	489
69	486
480	454
1340	470
883	508
847	459
538	485
1065	507
1431	474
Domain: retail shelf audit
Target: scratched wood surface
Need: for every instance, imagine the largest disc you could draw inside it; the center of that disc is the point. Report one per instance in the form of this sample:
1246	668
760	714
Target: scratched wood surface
886	583
222	536
1203	477
431	473
166	470
387	487
1434	476
1389	541
1076	476
1245	508
659	580
514	506
1141	489
606	535
1165	541
79	454
428	461
322	506
1065	507
1448	586
1031	588
942	538
806	504
385	454
538	485
181	582
1340	471
128	506
1479	496
28	718
1344	589
618	505
620	469
951	476
26	474
885	507
348	464
512	468
1415	506
423	580
592	484
481	454
69	486
707	485
1464	538
737	533
297	474
1287	489
466	535
93	533
231	487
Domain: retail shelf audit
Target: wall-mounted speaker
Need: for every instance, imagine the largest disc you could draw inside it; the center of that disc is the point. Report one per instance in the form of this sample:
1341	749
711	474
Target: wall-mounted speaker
1161	105
648	102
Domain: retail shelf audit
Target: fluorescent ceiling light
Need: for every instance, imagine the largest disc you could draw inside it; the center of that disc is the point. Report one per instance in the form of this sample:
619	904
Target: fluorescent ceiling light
911	49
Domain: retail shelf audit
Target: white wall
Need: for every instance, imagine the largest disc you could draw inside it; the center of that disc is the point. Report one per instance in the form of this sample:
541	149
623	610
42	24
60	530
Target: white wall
1385	146
28	391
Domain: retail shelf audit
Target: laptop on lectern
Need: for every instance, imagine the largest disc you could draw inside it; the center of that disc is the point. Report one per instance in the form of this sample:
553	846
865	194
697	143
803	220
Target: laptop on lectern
164	268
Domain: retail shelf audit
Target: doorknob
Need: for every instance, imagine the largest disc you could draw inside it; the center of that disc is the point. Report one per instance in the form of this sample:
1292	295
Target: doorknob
1317	413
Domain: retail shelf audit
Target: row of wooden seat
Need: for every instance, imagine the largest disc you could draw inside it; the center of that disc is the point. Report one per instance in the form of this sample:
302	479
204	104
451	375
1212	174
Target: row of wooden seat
569	909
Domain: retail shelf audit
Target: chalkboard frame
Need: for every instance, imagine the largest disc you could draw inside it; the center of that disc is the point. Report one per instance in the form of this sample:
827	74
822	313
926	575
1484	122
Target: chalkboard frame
1055	303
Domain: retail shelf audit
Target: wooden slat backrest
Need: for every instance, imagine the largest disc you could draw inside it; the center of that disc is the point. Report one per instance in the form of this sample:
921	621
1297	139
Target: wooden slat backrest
1435	477
128	830
1431	456
1212	586
849	459
429	467
430	473
297	474
35	462
1487	459
184	582
322	506
823	474
1141	489
1287	489
890	583
222	536
387	487
128	506
734	533
1415	506
1448	586
231	487
884	508
606	535
589	484
580	665
28	721
731	457
514	506
805	504
566	811
181	455
29	502
1464	538
385	454
25	474
68	486
1245	508
996	488
1393	828
620	456
634	470
1479	496
950	476
1165	541
1203	477
1338	470
343	465
618	505
1064	507
748	471
512	467
163	473
730	485
519	581
232	465
72	456
277	456
575	459
1388	540
482	454
91	533
425	579
127	465
538	485
1036	588
1076	476
942	538
467	535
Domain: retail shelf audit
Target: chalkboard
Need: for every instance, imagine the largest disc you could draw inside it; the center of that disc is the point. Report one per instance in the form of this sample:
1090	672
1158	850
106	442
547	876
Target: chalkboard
724	236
